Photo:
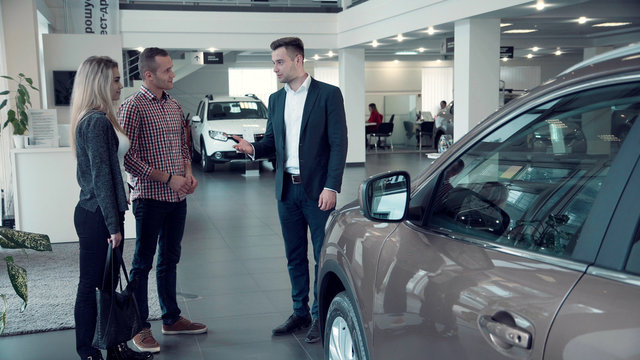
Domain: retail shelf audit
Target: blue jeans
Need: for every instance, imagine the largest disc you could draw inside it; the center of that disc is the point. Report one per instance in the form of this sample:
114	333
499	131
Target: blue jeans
297	212
92	235
159	224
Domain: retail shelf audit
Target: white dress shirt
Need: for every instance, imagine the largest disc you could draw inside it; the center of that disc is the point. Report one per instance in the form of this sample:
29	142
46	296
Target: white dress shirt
293	108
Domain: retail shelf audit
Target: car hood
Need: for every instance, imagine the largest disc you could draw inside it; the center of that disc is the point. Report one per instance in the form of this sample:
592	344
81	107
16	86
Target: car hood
238	126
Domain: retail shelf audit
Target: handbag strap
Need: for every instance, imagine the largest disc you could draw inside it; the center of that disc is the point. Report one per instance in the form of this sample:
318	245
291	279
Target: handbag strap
109	267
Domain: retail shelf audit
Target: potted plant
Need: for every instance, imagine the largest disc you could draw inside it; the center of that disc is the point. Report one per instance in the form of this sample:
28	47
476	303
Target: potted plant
19	117
14	239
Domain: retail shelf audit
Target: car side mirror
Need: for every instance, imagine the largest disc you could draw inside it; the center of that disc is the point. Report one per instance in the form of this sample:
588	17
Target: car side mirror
196	118
385	197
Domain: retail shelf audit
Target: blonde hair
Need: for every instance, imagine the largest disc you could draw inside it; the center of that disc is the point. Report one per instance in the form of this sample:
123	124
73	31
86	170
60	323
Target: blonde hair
92	91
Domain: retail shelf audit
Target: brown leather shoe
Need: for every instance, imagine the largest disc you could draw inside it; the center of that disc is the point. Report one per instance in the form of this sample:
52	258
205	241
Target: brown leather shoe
184	326
145	342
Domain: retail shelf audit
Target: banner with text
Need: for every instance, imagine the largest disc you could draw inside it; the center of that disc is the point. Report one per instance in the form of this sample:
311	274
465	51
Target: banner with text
99	17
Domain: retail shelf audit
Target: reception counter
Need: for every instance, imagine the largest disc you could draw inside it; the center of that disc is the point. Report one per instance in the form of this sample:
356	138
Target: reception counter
46	193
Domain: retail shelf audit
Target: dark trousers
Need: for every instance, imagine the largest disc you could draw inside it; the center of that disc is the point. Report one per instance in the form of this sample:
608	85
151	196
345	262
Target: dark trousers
297	212
159	224
92	234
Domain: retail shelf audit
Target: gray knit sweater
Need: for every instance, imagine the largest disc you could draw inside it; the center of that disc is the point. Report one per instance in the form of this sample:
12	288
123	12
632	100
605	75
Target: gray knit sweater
98	171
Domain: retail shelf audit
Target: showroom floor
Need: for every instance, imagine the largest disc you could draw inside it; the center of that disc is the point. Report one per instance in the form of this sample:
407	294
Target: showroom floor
232	275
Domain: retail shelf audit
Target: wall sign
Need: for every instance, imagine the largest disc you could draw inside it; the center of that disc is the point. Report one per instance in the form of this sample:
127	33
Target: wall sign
213	58
506	52
93	17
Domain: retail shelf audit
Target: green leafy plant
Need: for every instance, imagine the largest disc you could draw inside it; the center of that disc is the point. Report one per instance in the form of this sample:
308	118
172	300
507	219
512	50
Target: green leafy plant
19	117
14	239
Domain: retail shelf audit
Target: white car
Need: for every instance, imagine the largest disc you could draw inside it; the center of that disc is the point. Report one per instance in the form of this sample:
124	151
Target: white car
217	120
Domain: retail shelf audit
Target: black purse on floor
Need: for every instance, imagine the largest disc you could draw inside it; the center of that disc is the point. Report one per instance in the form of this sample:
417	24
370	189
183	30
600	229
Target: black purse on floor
118	317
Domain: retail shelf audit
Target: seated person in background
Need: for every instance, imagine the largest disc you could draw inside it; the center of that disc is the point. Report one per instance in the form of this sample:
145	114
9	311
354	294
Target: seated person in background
443	104
375	118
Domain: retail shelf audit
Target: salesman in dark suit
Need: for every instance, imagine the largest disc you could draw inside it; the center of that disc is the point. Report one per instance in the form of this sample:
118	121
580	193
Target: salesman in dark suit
308	133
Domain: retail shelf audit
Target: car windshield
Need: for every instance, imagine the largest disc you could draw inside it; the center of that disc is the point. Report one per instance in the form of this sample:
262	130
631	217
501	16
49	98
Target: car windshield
236	110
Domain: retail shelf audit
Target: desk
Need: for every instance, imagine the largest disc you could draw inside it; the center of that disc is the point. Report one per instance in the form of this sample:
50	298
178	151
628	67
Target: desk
46	193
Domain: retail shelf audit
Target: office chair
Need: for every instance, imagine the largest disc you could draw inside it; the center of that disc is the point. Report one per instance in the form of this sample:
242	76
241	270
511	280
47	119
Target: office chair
383	132
425	129
408	127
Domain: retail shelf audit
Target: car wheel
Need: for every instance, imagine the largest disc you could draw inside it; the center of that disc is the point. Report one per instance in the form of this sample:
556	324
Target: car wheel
343	335
205	161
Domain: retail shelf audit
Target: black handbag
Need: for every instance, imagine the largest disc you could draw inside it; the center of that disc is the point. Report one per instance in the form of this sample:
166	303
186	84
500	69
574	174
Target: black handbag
118	316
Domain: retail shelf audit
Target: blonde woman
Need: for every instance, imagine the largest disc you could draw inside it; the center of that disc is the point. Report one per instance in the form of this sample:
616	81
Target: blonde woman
99	144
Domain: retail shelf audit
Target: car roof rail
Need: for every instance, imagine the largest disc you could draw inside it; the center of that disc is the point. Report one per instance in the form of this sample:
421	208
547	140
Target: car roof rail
251	95
616	53
209	96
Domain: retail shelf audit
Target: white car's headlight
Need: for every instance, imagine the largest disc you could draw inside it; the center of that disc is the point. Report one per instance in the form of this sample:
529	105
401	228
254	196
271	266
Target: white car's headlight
218	135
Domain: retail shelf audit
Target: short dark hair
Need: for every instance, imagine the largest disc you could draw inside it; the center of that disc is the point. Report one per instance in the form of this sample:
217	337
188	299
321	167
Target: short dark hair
147	60
293	45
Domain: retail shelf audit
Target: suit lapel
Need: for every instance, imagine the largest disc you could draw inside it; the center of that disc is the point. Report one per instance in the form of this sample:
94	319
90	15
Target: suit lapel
312	95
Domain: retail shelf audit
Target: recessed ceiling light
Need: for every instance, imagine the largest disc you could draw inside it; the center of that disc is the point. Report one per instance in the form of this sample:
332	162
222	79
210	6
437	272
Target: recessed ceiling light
582	20
612	24
540	5
316	57
140	49
558	52
535	48
504	59
519	31
396	61
505	24
212	49
438	60
529	56
330	53
406	53
421	49
431	30
375	43
400	37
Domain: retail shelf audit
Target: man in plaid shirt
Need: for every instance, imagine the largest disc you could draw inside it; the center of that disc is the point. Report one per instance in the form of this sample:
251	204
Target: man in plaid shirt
159	162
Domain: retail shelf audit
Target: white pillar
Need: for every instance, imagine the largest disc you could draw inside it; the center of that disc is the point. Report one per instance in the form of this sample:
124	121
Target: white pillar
476	72
20	21
593	51
351	74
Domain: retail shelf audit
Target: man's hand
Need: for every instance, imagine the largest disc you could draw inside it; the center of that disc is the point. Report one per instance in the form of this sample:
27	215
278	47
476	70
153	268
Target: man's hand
327	200
115	240
182	185
194	183
243	145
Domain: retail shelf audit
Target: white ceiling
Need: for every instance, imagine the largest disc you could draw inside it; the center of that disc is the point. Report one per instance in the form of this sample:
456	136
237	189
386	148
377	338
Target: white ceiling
556	27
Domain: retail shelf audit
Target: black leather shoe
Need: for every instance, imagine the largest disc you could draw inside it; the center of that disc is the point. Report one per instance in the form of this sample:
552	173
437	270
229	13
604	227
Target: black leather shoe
313	335
293	323
123	352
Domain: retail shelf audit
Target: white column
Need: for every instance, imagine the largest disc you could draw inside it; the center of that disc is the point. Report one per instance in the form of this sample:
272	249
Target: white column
476	72
351	75
593	51
20	21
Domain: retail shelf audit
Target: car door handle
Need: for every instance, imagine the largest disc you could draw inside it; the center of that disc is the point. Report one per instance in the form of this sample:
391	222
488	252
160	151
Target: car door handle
510	334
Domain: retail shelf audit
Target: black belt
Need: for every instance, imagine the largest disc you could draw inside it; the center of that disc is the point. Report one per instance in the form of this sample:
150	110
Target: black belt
295	179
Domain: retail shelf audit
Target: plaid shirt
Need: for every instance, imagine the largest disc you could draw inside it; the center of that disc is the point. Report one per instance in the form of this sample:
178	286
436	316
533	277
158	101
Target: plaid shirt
157	132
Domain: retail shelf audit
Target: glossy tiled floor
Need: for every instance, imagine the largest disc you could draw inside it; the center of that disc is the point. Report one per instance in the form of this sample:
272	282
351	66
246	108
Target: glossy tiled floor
232	275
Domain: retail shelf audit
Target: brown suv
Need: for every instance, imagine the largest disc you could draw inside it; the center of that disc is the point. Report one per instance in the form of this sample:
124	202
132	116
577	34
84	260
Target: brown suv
519	242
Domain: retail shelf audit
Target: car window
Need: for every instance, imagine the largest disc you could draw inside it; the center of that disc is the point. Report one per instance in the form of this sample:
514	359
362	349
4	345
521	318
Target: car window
633	261
234	110
531	183
201	110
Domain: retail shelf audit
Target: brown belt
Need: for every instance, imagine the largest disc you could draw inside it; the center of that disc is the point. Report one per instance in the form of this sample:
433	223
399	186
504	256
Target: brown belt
296	179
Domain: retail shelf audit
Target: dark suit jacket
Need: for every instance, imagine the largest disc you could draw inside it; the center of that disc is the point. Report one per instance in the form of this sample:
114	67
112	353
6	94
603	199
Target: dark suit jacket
323	139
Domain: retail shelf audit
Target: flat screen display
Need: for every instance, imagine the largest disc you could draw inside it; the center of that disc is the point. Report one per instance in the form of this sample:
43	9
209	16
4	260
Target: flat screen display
62	86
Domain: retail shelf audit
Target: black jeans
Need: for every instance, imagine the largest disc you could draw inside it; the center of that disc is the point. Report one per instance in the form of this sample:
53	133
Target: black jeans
92	234
159	225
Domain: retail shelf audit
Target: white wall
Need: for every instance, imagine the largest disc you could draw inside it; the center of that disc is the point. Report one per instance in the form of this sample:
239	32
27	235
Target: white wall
68	51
